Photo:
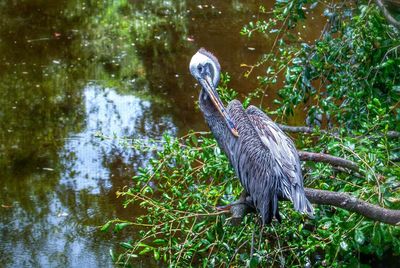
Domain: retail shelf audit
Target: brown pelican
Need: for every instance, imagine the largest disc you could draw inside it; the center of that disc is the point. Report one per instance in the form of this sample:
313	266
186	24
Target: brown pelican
263	157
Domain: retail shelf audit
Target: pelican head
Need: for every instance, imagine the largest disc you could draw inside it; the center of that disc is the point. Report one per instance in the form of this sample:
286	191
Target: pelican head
205	68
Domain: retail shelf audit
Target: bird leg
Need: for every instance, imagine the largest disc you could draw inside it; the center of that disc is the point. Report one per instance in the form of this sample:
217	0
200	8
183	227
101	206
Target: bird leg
252	242
229	206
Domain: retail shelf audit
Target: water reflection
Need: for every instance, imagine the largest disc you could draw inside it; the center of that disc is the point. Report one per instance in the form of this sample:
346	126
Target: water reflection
114	116
71	69
52	213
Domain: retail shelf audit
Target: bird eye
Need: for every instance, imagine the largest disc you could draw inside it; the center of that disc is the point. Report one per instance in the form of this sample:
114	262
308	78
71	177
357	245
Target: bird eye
200	68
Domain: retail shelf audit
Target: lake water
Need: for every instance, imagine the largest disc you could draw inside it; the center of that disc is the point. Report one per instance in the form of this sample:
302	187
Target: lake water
72	70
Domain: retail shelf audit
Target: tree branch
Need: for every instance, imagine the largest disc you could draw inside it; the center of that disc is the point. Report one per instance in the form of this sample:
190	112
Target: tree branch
340	200
387	15
309	130
326	158
350	203
300	129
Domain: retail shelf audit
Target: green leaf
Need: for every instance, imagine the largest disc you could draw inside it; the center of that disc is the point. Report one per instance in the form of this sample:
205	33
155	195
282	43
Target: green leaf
387	63
145	250
194	140
113	257
229	189
106	226
376	237
344	245
359	236
156	255
119	226
159	241
254	262
126	245
210	236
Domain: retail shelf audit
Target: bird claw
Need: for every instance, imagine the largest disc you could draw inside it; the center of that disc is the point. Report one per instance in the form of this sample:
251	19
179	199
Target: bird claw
224	208
235	203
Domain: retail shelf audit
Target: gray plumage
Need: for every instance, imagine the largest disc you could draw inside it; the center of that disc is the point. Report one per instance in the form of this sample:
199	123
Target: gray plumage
263	157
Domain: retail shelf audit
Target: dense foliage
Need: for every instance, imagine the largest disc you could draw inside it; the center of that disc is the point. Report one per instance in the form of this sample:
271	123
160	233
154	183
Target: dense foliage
350	76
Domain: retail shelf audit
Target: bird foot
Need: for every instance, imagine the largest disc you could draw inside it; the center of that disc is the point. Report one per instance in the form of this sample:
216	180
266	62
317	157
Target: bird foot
229	206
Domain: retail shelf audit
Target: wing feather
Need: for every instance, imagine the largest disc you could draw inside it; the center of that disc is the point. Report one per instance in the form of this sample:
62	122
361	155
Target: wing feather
286	157
252	164
281	147
265	161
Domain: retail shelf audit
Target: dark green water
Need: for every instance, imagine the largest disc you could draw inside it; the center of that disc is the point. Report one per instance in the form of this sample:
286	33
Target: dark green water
71	69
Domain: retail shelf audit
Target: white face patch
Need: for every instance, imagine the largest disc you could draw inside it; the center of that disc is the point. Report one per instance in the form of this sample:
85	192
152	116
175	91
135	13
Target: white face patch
201	60
197	59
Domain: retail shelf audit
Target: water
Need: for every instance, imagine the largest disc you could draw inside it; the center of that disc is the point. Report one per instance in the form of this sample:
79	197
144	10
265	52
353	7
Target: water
70	70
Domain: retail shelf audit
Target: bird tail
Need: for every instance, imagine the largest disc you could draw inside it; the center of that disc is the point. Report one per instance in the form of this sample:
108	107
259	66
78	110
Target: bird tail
301	203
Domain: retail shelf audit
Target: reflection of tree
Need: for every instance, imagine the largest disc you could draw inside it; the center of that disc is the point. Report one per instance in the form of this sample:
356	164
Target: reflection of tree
40	104
49	50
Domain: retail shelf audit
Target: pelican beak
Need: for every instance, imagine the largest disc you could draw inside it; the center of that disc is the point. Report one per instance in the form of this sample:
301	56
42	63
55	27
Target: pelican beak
209	87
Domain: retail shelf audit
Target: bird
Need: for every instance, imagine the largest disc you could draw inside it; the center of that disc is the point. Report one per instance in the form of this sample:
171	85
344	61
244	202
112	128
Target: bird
263	157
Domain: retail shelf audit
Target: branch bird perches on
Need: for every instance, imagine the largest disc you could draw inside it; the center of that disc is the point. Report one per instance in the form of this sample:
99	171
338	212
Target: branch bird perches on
336	199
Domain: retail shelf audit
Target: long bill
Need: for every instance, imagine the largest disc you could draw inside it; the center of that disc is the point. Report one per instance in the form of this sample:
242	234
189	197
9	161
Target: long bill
212	93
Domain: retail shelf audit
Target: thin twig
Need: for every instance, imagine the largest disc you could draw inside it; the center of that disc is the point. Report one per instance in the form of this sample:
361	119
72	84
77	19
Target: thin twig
310	130
236	252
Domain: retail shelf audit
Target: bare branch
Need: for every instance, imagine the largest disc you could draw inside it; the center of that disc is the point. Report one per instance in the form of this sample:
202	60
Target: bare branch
309	130
350	203
300	129
387	14
340	200
330	159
